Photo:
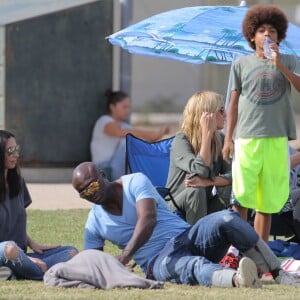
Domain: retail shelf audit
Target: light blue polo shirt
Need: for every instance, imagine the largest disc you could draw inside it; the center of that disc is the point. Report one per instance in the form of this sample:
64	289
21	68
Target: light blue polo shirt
101	225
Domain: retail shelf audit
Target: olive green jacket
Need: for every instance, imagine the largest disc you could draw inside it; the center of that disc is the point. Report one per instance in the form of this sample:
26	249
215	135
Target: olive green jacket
183	160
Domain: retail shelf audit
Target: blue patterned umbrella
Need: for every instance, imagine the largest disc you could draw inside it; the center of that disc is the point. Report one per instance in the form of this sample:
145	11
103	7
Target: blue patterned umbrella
196	35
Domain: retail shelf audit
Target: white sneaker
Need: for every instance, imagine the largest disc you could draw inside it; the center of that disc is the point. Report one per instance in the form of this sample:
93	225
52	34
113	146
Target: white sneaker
246	275
5	273
287	278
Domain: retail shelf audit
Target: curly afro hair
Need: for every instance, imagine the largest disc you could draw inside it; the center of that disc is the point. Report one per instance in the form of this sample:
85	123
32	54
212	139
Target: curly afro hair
258	15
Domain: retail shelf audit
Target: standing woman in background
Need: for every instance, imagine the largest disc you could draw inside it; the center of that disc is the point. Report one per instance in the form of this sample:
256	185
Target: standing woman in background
14	240
108	138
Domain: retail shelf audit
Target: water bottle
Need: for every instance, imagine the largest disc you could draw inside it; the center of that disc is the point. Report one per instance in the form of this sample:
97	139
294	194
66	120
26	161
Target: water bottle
268	52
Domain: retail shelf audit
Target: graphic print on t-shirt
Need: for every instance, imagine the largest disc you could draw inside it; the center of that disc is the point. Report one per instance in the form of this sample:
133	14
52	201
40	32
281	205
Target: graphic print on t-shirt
266	86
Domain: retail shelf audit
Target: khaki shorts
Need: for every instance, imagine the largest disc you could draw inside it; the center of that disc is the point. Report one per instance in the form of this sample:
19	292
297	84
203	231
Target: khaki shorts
260	173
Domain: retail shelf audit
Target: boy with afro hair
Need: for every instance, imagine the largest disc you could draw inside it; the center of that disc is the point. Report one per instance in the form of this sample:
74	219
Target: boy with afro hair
260	110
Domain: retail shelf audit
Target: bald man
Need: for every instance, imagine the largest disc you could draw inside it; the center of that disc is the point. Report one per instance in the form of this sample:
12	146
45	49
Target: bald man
131	214
83	175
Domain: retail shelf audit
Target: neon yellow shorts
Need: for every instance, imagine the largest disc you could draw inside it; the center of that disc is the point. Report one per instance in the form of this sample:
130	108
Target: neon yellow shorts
260	173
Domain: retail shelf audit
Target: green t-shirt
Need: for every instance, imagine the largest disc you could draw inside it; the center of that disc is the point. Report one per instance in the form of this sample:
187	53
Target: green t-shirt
264	108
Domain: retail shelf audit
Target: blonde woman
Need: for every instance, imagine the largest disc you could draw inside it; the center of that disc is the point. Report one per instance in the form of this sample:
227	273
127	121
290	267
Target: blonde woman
196	163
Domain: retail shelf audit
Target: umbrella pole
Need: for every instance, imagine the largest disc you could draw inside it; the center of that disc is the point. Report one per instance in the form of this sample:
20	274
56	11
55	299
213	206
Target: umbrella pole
125	57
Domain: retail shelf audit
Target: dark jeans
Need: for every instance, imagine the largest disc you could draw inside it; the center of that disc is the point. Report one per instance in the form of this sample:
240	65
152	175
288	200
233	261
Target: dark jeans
193	256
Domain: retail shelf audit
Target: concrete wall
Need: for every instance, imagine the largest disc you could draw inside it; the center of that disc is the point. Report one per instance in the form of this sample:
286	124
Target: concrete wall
2	75
57	67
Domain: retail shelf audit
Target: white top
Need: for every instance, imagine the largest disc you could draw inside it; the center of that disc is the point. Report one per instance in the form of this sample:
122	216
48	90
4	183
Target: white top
103	146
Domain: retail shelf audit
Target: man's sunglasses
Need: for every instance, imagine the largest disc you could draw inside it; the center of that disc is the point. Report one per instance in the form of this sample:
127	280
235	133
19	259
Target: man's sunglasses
90	190
93	187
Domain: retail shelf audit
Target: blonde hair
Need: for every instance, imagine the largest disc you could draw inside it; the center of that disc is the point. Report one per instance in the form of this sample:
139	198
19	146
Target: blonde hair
204	101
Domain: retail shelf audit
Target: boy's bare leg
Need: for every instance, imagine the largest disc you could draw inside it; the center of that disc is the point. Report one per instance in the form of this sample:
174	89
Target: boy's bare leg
243	211
262	225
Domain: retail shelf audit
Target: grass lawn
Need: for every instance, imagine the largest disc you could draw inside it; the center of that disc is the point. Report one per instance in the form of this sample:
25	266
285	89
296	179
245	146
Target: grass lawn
65	227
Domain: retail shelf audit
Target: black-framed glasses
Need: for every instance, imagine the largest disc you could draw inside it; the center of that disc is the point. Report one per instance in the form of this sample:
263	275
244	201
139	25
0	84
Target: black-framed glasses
11	151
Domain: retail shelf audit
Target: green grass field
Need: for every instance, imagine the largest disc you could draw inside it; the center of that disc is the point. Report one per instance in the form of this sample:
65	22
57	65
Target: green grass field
65	227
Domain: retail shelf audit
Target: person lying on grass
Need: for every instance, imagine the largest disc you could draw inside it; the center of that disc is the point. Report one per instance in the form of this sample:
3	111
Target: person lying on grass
131	214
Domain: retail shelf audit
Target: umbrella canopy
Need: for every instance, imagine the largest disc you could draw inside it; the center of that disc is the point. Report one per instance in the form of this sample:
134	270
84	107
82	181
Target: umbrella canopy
196	35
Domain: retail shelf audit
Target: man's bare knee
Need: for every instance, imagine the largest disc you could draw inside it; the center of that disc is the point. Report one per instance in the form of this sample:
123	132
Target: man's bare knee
11	251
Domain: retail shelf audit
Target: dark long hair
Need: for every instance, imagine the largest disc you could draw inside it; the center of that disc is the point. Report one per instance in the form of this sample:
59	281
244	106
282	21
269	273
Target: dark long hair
13	175
114	98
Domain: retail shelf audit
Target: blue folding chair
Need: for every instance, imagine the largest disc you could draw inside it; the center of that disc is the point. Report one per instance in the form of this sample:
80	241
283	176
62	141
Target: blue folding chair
152	159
